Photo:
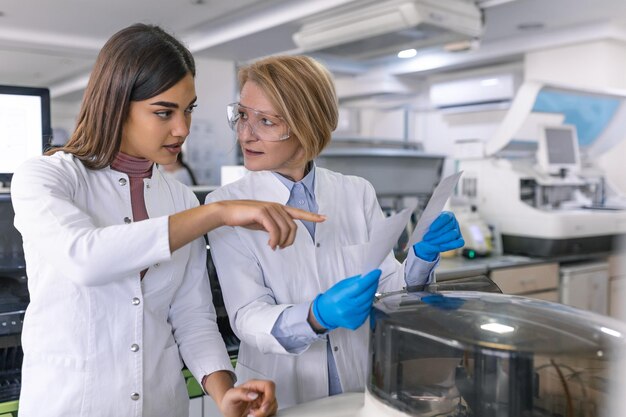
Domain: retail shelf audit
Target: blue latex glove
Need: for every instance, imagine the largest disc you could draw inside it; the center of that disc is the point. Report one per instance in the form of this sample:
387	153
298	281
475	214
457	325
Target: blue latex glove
443	235
347	303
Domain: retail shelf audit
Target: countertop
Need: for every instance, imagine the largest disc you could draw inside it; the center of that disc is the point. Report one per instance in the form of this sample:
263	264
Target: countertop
459	267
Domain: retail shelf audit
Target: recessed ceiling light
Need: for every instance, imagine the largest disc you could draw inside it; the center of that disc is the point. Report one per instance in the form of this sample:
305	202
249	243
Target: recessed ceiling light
407	53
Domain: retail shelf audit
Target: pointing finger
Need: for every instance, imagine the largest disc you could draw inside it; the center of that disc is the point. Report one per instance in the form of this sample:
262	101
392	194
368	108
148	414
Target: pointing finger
304	215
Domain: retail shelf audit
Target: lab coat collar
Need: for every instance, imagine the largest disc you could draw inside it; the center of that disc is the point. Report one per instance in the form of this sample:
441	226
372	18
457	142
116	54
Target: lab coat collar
113	172
156	203
267	187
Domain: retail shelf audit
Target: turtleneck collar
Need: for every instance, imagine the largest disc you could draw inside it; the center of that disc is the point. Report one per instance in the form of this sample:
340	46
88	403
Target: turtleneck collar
132	166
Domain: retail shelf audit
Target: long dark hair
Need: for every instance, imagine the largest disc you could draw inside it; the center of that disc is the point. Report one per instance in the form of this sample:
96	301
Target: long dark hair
137	63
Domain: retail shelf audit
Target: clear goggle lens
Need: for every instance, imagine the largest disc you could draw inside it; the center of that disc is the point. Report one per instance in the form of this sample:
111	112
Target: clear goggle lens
263	126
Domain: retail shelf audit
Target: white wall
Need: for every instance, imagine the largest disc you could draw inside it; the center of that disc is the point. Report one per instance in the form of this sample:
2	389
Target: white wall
211	143
383	124
438	130
599	64
63	116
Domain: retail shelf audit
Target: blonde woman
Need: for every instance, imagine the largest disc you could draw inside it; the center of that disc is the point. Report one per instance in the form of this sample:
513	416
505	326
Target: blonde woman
299	312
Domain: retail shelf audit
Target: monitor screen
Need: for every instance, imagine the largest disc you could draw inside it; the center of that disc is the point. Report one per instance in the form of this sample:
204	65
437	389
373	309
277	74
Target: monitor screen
24	124
558	149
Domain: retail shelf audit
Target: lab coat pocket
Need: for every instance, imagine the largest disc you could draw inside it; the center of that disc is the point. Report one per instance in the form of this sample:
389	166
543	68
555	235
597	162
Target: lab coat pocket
353	257
40	386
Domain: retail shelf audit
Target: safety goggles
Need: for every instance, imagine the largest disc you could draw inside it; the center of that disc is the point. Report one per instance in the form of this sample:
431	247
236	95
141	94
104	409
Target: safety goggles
266	127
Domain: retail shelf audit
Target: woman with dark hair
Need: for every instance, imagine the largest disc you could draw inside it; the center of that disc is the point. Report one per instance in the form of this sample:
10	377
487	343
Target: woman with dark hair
115	253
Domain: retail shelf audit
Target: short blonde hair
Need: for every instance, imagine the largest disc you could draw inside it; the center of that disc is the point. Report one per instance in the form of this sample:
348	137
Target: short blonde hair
302	92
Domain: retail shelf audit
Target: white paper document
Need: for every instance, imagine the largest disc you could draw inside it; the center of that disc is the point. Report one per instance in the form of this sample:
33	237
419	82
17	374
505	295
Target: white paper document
435	205
384	236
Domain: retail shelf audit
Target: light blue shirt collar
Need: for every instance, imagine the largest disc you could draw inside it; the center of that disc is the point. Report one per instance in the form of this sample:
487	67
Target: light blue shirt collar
308	181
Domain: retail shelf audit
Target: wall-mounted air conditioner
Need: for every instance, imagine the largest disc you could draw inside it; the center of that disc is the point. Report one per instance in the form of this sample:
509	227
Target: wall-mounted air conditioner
365	29
489	89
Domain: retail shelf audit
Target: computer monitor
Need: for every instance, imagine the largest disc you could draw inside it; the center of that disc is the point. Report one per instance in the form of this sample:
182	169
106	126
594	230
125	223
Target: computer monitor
24	125
558	149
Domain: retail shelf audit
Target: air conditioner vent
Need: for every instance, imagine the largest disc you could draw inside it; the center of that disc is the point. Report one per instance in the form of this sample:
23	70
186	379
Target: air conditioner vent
423	36
388	26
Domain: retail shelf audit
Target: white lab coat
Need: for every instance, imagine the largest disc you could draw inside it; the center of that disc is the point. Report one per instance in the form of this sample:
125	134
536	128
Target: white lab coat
259	283
94	333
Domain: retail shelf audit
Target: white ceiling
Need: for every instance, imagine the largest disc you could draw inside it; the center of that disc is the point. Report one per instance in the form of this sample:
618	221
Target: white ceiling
54	43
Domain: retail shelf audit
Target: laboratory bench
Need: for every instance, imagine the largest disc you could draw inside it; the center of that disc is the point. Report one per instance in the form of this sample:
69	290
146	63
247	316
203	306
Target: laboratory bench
461	267
594	282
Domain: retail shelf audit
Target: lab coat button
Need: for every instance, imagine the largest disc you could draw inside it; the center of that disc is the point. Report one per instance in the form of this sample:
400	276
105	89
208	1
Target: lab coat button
127	220
134	396
157	265
122	181
134	347
317	245
336	348
136	301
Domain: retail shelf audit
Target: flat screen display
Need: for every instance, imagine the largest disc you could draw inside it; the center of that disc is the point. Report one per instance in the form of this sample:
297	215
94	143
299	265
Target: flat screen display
558	149
561	145
24	125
